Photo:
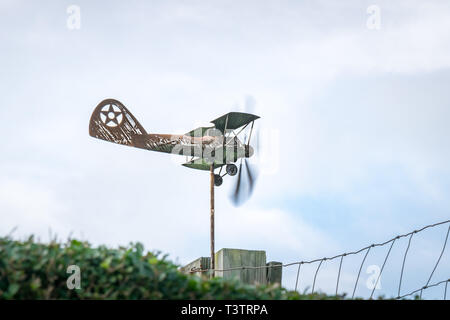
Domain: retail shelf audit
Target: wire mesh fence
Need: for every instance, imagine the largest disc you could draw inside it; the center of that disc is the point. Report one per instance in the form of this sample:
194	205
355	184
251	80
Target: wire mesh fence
365	252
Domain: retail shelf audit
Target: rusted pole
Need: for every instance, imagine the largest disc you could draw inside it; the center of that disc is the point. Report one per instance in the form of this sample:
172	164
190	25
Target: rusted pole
212	220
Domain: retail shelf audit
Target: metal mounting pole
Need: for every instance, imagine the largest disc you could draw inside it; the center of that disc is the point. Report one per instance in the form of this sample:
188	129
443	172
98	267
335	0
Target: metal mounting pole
212	220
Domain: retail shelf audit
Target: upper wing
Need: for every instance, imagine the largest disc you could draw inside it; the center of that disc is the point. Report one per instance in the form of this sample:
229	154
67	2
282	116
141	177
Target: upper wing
233	120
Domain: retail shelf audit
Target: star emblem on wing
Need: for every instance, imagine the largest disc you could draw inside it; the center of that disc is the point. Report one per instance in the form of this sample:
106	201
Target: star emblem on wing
111	115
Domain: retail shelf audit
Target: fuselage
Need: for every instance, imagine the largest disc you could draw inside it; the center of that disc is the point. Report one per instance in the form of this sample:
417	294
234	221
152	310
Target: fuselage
204	147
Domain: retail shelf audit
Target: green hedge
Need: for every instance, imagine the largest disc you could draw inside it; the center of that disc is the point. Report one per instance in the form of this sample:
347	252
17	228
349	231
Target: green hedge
33	270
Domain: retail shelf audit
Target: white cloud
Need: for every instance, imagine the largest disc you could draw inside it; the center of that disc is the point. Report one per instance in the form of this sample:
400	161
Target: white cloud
273	230
31	209
347	103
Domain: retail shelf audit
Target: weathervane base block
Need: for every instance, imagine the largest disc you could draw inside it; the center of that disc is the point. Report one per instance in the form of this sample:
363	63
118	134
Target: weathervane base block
228	258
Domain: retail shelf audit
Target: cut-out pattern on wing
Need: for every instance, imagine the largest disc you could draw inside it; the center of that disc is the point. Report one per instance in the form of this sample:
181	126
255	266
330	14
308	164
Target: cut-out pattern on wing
111	121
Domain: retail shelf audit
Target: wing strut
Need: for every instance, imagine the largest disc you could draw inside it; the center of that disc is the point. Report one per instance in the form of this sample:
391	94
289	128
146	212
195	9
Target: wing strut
251	130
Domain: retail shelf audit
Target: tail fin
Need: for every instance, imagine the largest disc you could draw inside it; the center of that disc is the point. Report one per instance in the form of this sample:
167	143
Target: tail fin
112	122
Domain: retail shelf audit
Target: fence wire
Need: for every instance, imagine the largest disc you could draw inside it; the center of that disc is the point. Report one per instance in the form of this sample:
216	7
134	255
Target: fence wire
366	249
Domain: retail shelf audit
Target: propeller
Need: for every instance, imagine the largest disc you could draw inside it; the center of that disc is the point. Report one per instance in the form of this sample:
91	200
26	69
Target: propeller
249	107
245	182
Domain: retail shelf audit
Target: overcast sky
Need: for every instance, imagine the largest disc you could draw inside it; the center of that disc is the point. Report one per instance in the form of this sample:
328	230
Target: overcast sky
354	124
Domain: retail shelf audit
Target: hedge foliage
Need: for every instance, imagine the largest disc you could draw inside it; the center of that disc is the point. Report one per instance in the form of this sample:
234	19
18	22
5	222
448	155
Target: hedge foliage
33	270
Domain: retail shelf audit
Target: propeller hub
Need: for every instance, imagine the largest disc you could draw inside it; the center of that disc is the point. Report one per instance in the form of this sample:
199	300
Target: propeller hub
248	151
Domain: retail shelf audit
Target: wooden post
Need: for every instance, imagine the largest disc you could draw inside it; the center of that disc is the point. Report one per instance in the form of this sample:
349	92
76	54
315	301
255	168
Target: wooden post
212	220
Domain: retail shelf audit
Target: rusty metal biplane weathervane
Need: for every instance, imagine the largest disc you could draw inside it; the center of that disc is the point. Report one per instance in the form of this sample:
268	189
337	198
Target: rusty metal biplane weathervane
209	148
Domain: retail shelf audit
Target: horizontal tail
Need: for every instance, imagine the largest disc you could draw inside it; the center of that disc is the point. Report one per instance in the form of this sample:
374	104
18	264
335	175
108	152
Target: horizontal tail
111	121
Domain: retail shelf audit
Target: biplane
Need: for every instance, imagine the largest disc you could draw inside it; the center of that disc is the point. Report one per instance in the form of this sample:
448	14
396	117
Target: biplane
217	145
